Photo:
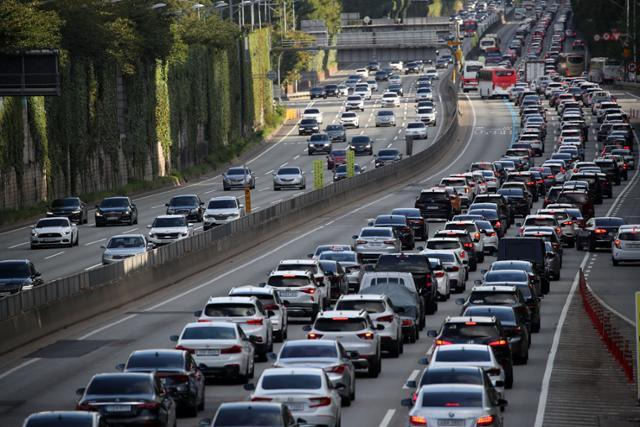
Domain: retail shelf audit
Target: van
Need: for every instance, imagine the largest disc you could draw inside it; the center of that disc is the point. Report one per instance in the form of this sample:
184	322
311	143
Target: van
530	249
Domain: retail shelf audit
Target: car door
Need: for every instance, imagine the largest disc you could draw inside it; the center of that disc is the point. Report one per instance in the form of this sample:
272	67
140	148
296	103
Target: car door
195	374
166	403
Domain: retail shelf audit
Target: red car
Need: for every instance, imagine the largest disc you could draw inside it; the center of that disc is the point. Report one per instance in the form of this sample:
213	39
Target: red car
337	156
570	32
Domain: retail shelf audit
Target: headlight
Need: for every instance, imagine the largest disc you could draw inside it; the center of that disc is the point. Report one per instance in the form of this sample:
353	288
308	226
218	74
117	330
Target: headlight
184	234
66	232
152	235
98	213
76	211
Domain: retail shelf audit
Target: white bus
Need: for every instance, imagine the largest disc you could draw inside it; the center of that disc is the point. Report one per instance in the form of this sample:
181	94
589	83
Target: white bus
470	75
490	43
605	70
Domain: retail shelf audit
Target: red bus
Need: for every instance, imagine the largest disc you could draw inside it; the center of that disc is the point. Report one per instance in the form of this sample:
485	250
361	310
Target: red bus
469	27
496	81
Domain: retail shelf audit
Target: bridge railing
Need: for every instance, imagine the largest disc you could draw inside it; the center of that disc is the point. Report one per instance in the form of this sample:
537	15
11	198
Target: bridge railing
388	38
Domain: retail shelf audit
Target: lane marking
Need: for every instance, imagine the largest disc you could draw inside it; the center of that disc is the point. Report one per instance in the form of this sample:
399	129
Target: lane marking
130	231
93	266
158	206
95	241
19	244
54	255
387	418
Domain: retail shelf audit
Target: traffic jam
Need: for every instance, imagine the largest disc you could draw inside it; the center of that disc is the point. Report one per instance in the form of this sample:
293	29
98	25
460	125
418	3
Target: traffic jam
362	300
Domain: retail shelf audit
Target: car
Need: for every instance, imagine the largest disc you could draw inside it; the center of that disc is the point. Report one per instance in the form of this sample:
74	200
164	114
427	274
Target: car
128	397
349	119
308	394
308	126
394	79
390	99
432	73
434	402
526	249
71	207
116	210
626	244
453	267
178	372
443	287
337	156
382	312
416	130
249	313
319	142
349	261
54	231
238	177
396	88
313	113
354	102
17	275
517	200
473	230
339	283
373	85
385	118
598	233
64	419
373	66
387	156
467	243
362	72
240	414
188	205
317	92
361	144
427	115
371	242
363	89
401	227
414	220
222	210
124	246
336	132
436	203
298	290
382	76
315	268
343	90
424	93
329	355
169	229
271	302
578	198
332	90
289	177
341	172
490	237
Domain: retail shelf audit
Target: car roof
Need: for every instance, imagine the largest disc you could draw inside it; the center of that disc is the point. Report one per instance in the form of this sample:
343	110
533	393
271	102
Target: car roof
157	352
289	370
366	297
169	216
466	319
450	388
223	198
304	342
219	324
293	273
494	288
228	299
251	289
351	314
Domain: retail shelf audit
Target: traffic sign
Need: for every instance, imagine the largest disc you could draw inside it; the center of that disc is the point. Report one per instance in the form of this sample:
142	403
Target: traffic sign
351	162
272	75
596	37
637	340
631	67
606	36
453	43
247	199
318	174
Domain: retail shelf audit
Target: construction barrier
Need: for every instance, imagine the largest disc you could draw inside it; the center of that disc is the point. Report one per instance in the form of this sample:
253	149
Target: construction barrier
292	114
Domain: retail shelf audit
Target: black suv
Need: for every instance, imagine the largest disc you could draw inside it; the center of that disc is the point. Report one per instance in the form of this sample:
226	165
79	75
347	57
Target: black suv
17	275
530	249
116	210
188	205
609	167
518	201
71	207
435	203
478	330
420	268
595	186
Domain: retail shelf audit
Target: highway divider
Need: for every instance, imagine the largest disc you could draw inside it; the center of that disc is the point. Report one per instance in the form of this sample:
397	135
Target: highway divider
32	314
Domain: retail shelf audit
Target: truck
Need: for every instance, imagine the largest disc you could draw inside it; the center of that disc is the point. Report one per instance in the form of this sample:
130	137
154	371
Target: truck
533	70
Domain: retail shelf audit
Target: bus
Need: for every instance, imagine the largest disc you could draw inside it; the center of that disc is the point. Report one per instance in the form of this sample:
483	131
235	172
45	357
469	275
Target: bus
470	75
570	64
496	81
490	43
605	70
469	27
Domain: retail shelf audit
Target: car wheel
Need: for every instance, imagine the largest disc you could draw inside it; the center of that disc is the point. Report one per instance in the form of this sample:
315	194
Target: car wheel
374	368
615	262
202	399
395	350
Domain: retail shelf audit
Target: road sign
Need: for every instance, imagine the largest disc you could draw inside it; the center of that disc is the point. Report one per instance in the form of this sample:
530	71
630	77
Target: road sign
631	67
351	161
272	75
638	340
606	36
318	174
596	37
247	199
453	43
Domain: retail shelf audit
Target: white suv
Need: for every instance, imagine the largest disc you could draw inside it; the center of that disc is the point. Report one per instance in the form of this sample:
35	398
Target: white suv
381	312
272	303
299	292
312	265
355	331
221	210
349	119
626	244
354	102
312	113
248	312
169	228
390	99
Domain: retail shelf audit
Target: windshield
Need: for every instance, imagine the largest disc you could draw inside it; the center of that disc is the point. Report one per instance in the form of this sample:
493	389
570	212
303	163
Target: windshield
368	306
230	310
153	360
126	242
114	203
236	172
120	385
308	350
222	204
456	399
291	381
387	153
289	171
170	222
335	127
184	201
340	324
10	270
65	203
43	223
466	355
415	126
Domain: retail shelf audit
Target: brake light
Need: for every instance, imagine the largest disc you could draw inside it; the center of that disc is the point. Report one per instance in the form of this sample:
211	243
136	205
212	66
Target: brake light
467	245
416	420
454	268
317	402
188	350
366	335
148	405
625	166
261	399
439	273
85	407
443	342
540	181
388	318
531	183
254	321
567	223
232	350
550	176
470	323
313	336
309	291
338	369
407	322
490	234
477	236
487	420
600	231
498	343
618	243
360	242
203	321
452	404
498	224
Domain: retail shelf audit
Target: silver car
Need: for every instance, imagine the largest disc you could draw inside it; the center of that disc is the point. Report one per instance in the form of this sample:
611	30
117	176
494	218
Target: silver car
289	177
457	405
385	118
329	355
238	177
124	246
375	241
54	231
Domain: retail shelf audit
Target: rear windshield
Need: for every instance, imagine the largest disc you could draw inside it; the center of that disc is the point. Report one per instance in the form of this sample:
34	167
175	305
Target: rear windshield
442	244
120	385
466	355
209	333
540	221
156	361
579	198
308	350
436	376
493	298
629	236
369	306
463	330
288	282
241	417
433	197
372	232
609	222
506	276
507	315
230	310
402	263
340	324
339	256
291	381
386	281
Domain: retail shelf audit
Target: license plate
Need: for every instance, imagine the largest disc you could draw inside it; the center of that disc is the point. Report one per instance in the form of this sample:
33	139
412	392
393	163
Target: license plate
446	422
288	293
51	239
375	244
295	406
207	352
118	408
432	208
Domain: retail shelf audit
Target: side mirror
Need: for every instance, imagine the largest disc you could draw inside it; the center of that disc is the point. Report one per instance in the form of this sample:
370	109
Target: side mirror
97	207
460	301
340	386
103	247
477	282
407	403
166	204
205	422
80	391
38	274
254	339
502	402
483	271
420	248
411	384
423	361
309	255
272	356
148	226
120	367
306	328
379	327
432	333
249	387
354	237
174	338
262	284
271	313
197	313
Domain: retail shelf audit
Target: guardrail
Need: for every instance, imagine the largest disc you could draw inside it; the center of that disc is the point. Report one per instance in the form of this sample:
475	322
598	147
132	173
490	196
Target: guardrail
32	314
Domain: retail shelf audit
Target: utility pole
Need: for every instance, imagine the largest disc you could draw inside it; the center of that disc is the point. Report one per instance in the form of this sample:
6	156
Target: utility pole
284	13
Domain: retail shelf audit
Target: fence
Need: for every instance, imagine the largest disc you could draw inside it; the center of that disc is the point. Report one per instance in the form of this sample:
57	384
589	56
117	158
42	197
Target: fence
616	333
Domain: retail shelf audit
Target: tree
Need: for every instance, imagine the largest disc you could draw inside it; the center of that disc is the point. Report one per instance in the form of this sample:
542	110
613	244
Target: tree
24	26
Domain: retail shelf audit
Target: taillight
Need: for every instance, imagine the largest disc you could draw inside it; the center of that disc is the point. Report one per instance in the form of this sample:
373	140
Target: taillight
567	223
498	224
313	336
254	321
477	236
360	242
261	399
498	343
618	243
85	407
550	176
188	350
600	231
443	342
316	402
203	321
487	420
467	245
540	181
454	268
366	335
388	318
407	322
416	420
439	273
337	369
309	291
463	255
231	350
531	183
270	306
389	242
148	405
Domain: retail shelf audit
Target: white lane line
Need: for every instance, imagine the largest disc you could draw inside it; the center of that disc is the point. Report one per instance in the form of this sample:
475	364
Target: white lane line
389	145
263	189
93	266
95	241
296	157
20	366
19	244
630	94
276	201
283	165
158	206
130	231
54	255
197	228
412	377
269	172
395	137
15	229
387	418
210	191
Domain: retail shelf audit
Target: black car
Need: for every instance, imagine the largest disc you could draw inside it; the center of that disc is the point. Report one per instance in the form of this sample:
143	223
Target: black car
188	205
595	186
317	92
527	179
116	210
609	167
400	224
65	419
319	142
513	324
598	233
435	203
128	398
332	90
530	249
336	132
241	414
361	144
579	198
415	221
386	156
453	375
373	66
518	201
71	207
420	268
478	330
412	67
382	76
308	127
178	373
17	275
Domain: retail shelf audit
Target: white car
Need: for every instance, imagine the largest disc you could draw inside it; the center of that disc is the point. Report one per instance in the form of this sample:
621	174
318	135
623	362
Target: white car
221	210
390	99
323	282
349	119
54	231
307	392
248	313
354	102
299	292
168	229
416	130
381	312
432	73
355	331
449	244
363	90
272	303
490	238
373	85
396	65
362	72
395	79
221	349
442	279
474	233
453	266
427	115
312	113
424	93
626	244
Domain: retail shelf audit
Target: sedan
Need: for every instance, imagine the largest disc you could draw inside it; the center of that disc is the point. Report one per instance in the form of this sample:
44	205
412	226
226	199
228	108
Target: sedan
416	130
415	221
308	126
54	231
71	207
385	118
337	156
320	142
349	119
341	171
116	210
64	419
238	177
17	275
373	241
189	205
598	233
386	156
123	246
361	144
336	133
289	177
